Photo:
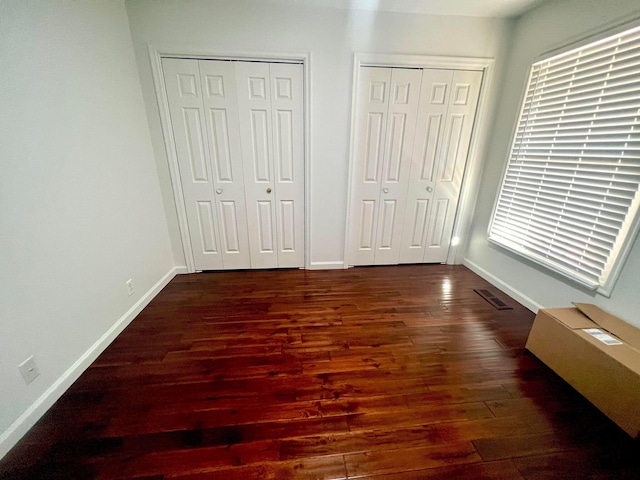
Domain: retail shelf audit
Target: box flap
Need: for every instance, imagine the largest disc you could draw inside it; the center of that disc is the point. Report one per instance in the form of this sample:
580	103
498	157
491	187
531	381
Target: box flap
571	317
624	354
611	323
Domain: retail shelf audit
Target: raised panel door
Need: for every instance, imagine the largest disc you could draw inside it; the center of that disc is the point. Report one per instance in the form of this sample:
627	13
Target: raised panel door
452	159
403	101
372	105
220	101
184	92
413	131
287	121
427	149
256	133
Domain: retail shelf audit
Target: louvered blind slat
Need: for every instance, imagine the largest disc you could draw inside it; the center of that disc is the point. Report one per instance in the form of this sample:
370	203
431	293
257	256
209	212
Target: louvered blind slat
568	202
570	190
582	121
571	222
573	196
588	258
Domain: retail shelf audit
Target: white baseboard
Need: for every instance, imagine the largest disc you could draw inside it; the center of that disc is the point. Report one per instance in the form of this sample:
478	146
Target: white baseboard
505	287
326	266
21	426
181	270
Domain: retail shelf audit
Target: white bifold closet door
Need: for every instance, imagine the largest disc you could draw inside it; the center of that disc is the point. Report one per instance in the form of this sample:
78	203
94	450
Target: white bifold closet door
270	106
448	102
413	129
238	132
387	108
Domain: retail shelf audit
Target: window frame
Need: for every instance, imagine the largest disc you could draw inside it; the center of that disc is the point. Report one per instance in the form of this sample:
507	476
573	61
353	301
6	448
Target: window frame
632	230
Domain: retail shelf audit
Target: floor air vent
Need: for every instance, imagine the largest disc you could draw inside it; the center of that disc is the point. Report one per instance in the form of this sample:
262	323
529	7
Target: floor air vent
492	299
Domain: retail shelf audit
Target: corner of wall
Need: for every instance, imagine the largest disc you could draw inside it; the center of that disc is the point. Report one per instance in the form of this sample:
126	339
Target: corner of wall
21	426
505	287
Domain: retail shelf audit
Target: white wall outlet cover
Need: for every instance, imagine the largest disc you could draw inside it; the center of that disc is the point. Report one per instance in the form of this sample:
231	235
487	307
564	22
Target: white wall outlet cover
129	284
29	370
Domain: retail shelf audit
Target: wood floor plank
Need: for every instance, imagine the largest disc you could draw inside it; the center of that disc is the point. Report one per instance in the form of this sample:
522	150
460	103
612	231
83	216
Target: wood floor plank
406	460
421	415
520	446
378	373
576	465
502	470
416	434
311	468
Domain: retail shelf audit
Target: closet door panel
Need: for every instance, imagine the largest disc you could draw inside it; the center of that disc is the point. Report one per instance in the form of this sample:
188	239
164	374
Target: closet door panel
222	121
432	112
231	229
449	172
184	92
404	98
372	104
287	119
254	104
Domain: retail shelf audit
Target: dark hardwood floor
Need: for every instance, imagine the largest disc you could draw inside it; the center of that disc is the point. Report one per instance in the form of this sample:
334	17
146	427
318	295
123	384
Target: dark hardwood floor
378	373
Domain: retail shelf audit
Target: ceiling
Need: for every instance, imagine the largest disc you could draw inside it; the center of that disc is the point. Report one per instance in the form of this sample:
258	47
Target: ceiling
467	8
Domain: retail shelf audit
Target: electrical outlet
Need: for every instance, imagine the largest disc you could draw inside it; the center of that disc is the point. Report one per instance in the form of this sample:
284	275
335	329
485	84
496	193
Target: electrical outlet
29	370
129	284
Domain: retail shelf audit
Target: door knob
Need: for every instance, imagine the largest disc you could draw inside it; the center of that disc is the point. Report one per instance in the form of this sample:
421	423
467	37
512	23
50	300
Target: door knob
219	191
429	189
385	190
269	190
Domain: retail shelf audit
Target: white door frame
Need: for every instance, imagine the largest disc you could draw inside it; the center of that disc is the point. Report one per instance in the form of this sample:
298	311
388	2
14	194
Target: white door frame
156	54
472	172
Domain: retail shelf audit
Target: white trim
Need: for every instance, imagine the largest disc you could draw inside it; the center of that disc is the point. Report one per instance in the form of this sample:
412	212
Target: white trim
505	165
421	61
471	177
630	238
549	267
209	54
170	149
352	150
473	170
181	270
155	56
327	265
21	426
307	160
592	35
505	287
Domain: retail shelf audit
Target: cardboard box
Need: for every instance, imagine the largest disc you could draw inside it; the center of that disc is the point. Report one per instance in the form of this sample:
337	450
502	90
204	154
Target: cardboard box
598	354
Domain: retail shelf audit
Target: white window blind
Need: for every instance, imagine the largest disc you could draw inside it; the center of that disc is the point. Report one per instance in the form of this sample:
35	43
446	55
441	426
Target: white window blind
570	191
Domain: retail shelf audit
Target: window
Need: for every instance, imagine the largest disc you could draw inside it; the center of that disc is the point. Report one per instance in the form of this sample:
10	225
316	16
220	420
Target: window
569	196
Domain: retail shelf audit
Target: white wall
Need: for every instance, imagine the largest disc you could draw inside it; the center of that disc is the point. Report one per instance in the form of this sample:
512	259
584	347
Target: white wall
80	205
332	36
550	26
